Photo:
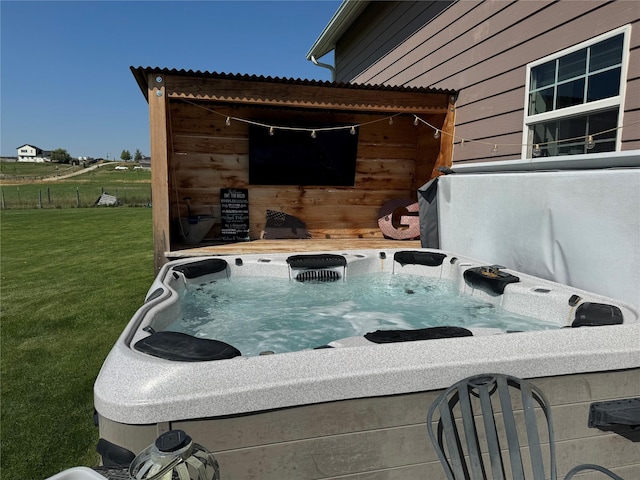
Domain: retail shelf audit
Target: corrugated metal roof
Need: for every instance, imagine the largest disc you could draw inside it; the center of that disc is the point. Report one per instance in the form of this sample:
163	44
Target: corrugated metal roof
140	74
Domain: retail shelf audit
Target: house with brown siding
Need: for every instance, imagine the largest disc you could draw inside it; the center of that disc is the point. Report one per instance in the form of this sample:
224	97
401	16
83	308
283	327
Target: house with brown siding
542	87
488	82
535	79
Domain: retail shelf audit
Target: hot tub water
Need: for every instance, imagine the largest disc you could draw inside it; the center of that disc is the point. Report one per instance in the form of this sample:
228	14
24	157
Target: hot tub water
258	314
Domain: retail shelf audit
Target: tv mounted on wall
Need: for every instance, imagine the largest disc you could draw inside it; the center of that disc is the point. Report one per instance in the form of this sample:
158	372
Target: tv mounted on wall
291	157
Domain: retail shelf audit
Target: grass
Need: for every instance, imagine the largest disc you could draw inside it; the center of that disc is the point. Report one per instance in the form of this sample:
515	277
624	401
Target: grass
71	280
131	187
34	169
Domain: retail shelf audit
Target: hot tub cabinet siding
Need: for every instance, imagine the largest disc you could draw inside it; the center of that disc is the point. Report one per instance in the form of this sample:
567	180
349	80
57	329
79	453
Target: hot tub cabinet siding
384	438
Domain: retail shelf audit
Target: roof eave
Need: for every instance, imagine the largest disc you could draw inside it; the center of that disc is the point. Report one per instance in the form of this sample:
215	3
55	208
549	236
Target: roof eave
139	73
346	14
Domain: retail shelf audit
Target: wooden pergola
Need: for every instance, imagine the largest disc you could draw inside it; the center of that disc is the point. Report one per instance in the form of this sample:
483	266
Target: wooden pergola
199	125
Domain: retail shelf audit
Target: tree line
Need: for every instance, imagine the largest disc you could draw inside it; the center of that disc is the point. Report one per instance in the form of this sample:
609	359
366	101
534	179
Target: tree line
126	155
60	155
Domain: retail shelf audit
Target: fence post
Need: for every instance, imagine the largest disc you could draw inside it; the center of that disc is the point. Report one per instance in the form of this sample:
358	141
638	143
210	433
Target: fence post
40	198
19	203
3	204
49	195
78	197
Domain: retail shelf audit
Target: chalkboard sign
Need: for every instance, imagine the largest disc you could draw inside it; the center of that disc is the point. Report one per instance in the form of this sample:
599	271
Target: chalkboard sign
234	204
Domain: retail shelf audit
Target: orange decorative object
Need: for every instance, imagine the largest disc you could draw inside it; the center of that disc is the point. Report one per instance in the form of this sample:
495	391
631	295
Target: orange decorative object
398	219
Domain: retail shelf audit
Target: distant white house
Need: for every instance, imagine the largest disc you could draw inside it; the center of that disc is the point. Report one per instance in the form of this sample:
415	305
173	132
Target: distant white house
31	153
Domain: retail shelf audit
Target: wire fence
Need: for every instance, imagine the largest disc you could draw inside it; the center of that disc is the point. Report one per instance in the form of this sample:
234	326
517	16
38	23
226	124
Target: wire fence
14	197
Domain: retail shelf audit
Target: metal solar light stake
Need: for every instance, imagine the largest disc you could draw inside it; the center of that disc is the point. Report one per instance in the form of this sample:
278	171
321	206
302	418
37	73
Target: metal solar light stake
174	455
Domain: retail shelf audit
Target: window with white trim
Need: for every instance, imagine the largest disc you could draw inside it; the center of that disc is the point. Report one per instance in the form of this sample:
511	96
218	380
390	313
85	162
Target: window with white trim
574	98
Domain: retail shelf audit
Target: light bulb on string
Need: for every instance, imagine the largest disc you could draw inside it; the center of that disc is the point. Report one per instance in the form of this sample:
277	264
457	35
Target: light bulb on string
536	150
589	144
353	130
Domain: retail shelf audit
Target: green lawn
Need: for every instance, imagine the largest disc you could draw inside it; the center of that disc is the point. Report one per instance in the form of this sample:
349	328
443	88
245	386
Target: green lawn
70	281
131	187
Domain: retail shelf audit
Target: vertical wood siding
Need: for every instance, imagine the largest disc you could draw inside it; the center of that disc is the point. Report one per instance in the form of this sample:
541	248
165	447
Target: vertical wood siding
481	48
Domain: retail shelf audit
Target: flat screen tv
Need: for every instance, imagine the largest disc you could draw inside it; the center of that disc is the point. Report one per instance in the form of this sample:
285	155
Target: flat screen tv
290	157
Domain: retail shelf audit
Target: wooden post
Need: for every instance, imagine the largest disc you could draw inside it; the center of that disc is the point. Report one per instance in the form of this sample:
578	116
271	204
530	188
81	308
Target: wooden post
445	157
3	204
426	148
49	195
77	197
160	148
40	198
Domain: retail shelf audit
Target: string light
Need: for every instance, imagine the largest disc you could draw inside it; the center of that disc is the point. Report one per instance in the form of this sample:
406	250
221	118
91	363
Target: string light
536	148
590	143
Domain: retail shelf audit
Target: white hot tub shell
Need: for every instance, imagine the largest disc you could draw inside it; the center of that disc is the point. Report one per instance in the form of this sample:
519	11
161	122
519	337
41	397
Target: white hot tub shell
348	410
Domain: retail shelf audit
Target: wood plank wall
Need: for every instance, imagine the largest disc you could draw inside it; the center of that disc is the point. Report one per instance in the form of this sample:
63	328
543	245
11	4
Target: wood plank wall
209	155
481	48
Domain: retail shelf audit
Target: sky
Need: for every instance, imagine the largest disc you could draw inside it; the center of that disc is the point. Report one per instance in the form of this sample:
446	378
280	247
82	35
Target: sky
65	80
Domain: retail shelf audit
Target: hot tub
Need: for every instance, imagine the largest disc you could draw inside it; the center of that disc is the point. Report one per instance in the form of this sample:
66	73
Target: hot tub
353	404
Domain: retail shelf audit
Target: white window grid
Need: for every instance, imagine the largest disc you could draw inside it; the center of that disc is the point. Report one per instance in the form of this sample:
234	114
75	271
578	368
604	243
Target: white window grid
583	108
